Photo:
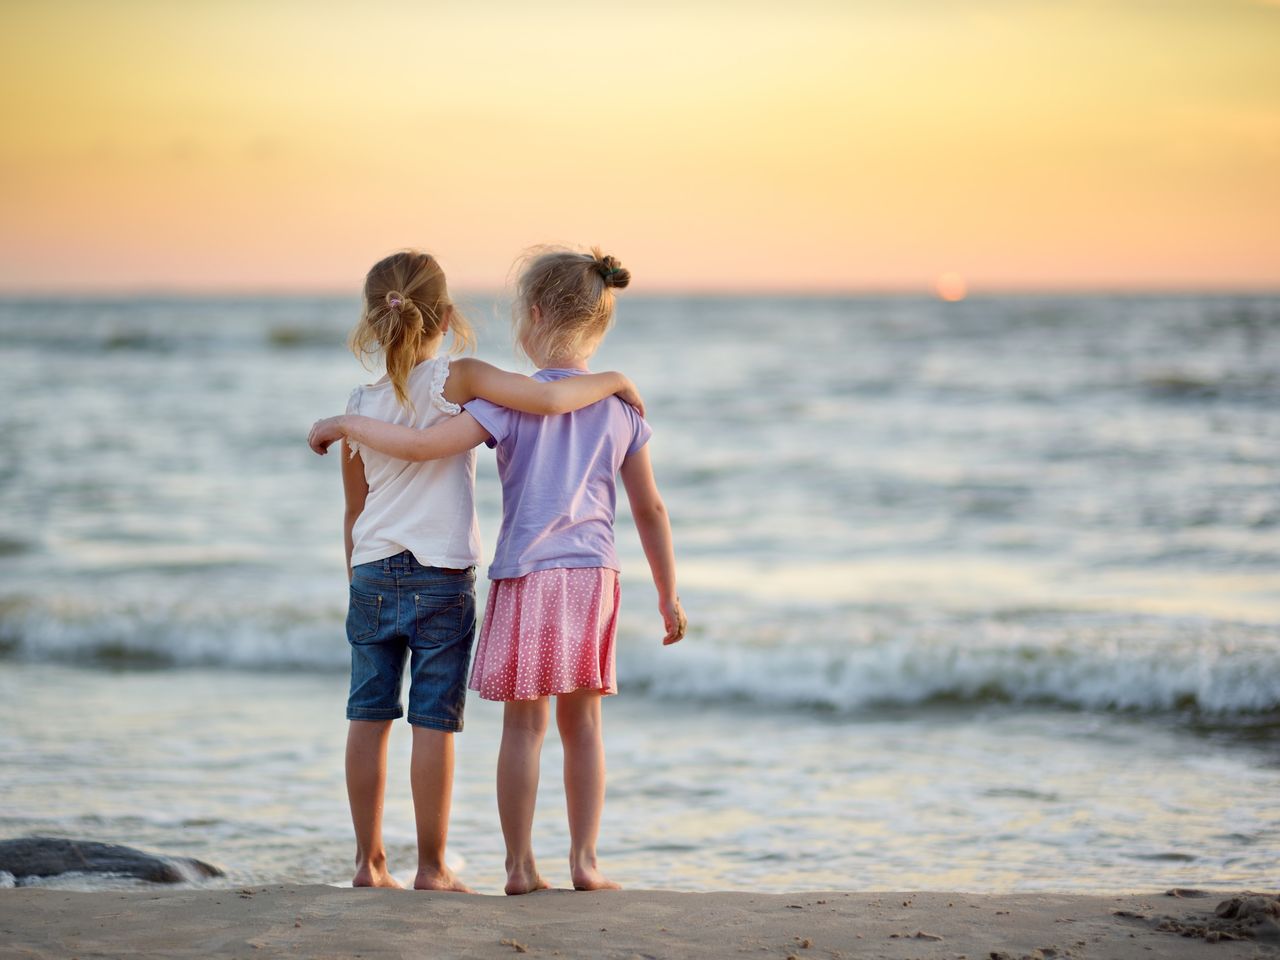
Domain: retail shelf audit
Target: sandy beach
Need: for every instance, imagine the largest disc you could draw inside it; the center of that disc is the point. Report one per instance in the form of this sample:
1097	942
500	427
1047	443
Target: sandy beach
321	921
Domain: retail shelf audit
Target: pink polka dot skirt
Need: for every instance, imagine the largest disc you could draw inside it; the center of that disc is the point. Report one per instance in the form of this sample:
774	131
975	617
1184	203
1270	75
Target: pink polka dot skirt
548	632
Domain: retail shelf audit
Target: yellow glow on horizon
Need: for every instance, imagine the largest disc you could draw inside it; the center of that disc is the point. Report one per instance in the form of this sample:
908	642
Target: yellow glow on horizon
950	287
715	146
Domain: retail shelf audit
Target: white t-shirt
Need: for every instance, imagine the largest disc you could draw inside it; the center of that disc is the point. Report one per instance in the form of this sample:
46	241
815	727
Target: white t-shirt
426	508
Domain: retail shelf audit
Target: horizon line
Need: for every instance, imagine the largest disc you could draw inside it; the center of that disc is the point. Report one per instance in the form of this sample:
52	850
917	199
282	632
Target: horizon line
869	292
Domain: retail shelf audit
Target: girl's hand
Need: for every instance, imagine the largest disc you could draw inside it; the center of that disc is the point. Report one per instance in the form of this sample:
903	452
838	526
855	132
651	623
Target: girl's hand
629	394
324	433
674	620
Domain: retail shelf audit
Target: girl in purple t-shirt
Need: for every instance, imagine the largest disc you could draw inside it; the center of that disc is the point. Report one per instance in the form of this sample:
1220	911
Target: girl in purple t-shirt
551	619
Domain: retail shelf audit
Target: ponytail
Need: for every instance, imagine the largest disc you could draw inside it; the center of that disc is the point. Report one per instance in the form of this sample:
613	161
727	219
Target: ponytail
406	303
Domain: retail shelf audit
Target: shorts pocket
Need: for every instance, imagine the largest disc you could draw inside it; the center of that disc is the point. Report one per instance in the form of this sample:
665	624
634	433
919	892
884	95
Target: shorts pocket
442	620
363	613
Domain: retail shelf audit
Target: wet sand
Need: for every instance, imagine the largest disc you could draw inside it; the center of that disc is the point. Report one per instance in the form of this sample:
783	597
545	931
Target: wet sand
323	922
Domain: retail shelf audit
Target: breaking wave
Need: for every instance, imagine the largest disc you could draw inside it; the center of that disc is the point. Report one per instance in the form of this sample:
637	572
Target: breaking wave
843	664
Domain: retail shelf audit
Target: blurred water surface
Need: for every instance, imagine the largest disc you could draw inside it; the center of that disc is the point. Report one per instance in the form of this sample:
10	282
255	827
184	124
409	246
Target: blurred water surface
982	594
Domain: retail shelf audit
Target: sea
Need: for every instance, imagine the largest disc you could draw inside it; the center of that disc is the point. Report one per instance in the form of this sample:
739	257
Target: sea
983	596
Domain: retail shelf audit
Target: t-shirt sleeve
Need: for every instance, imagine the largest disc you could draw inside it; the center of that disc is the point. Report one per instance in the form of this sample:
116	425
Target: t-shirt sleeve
640	429
496	420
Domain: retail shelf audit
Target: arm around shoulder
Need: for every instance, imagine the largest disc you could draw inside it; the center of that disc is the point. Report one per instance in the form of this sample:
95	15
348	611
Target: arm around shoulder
444	439
472	378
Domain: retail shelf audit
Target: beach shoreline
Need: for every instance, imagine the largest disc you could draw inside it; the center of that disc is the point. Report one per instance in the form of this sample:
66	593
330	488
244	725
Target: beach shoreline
962	618
322	921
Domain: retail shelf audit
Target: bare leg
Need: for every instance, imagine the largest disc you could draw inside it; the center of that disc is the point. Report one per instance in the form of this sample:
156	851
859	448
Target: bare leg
578	717
366	790
524	726
431	776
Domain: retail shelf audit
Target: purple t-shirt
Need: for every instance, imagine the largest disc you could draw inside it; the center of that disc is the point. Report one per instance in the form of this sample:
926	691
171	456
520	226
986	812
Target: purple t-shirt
558	481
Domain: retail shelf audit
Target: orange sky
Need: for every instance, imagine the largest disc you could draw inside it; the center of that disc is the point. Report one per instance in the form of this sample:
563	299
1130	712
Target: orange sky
734	146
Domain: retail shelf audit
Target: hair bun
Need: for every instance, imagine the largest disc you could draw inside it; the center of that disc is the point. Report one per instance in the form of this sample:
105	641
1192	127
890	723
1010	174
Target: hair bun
614	273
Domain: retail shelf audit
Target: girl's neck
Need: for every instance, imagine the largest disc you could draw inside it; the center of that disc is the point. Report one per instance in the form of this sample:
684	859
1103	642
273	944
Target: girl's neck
429	349
571	363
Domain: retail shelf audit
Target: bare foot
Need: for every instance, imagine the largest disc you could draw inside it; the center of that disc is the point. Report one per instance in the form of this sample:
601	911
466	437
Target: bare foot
590	878
442	879
524	881
375	875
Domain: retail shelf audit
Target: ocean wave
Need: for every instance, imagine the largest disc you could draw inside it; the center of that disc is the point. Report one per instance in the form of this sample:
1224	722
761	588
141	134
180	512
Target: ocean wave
1142	666
198	632
844	663
1245	386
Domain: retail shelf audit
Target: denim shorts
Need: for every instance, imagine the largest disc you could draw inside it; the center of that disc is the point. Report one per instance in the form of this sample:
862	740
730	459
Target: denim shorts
399	609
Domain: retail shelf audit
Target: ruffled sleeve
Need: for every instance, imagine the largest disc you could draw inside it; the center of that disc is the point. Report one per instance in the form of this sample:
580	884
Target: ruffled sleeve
353	406
438	379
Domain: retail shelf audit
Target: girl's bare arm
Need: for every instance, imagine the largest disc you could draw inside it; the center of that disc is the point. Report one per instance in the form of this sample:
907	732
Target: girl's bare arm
655	537
355	489
444	439
470	378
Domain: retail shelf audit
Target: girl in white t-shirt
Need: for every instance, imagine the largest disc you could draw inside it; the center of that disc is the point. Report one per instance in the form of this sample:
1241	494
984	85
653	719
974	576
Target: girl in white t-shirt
412	544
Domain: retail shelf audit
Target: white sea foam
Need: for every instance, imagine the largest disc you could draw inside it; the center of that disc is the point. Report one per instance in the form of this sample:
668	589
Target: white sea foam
1243	679
197	632
844	663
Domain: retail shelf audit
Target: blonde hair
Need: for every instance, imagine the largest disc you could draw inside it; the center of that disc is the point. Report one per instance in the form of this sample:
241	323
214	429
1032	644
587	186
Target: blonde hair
574	296
406	303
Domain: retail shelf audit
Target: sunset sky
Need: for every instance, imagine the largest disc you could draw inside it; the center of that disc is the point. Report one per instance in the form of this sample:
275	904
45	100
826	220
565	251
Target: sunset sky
732	146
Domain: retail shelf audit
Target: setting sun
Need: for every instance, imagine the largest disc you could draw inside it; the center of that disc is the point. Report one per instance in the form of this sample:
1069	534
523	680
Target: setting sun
950	287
